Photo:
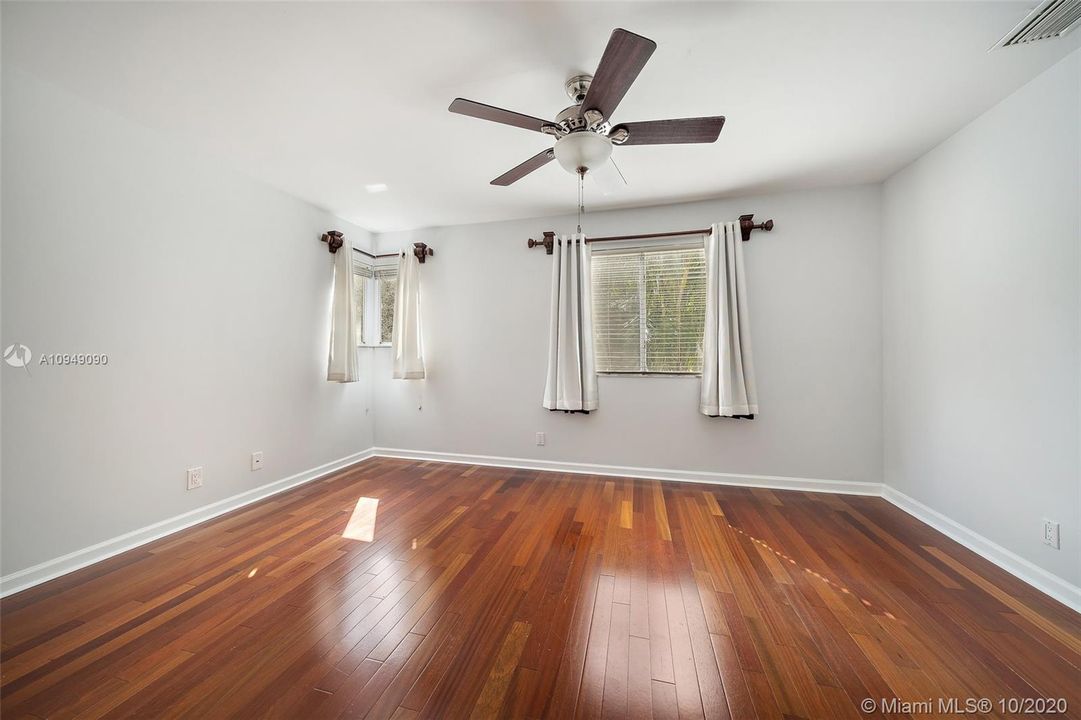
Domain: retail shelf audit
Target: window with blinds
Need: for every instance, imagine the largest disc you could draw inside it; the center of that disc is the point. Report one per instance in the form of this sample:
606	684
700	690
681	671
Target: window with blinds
649	310
361	275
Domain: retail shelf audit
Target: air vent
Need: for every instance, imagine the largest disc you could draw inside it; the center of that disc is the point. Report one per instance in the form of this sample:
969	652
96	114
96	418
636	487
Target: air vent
1050	19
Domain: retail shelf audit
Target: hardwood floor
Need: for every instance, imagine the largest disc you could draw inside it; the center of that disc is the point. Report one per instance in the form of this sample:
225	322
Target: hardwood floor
510	593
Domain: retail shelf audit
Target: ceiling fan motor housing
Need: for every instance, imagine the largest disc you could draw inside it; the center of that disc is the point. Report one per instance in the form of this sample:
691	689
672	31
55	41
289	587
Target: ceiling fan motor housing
577	87
572	119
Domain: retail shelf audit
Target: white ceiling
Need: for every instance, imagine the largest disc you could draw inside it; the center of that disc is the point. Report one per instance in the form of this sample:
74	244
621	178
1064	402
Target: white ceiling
320	100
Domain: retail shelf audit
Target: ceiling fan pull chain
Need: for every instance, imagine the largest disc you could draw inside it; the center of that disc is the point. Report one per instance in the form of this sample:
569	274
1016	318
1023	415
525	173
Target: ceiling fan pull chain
581	198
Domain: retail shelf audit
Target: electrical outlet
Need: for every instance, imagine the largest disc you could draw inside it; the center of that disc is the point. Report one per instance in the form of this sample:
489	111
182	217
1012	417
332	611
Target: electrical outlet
257	460
1050	533
195	477
540	438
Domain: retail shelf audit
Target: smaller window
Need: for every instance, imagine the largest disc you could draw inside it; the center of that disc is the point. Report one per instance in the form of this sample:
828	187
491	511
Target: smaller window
374	290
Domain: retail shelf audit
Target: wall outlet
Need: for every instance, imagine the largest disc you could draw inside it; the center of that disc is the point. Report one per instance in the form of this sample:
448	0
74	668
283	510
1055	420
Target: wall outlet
540	438
257	460
1050	533
195	477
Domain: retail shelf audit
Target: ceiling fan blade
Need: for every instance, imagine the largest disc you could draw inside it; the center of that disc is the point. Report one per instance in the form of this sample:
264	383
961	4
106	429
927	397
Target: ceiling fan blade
520	171
671	132
499	115
624	57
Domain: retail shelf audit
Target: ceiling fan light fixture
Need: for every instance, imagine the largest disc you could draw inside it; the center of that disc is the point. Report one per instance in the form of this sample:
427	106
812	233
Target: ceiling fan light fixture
582	150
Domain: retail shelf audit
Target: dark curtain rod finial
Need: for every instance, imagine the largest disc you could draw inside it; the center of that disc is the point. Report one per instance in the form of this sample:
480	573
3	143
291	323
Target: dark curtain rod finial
746	225
334	240
547	242
421	251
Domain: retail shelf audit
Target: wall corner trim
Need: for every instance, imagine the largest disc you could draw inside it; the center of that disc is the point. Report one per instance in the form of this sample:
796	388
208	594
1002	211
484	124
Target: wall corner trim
1048	583
50	569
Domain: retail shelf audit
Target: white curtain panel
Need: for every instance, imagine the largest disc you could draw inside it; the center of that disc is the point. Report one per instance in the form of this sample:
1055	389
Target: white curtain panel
406	344
572	377
728	388
342	364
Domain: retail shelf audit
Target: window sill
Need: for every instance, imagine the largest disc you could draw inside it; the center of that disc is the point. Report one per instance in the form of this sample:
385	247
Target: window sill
370	345
650	374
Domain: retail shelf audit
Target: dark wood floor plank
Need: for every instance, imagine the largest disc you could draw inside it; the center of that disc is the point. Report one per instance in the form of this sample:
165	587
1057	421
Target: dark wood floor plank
617	661
591	688
494	592
495	687
639	680
688	696
660	643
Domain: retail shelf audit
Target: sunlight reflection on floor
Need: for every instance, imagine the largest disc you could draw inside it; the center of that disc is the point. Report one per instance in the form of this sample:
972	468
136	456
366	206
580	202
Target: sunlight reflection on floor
362	523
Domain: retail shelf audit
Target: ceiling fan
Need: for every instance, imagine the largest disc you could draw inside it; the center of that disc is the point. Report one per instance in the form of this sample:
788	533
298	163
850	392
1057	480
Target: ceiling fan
584	132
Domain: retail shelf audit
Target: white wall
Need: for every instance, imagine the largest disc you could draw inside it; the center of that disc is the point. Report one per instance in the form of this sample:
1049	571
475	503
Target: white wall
210	295
816	310
982	317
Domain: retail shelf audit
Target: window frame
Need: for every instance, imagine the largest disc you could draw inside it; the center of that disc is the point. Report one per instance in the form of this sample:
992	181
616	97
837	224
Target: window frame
640	248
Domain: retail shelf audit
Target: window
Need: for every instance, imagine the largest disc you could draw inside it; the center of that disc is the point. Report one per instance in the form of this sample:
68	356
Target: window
649	310
374	291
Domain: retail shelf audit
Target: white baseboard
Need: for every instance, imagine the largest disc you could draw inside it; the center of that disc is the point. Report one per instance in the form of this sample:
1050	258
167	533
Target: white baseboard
42	572
1012	563
1049	583
774	482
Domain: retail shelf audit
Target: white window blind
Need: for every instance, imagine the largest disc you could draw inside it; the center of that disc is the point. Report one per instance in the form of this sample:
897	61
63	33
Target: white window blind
648	310
361	275
360	288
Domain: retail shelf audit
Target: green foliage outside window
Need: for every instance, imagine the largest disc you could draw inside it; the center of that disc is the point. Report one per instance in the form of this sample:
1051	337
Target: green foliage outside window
649	311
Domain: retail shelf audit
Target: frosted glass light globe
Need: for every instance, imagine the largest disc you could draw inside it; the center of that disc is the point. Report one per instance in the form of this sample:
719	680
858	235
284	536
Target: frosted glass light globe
582	150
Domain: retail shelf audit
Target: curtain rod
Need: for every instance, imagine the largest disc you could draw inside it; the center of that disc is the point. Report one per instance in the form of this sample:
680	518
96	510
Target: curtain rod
376	257
335	239
746	225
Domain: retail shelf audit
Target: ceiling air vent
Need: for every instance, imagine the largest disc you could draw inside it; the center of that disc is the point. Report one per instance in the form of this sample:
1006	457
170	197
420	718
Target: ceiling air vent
1050	19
